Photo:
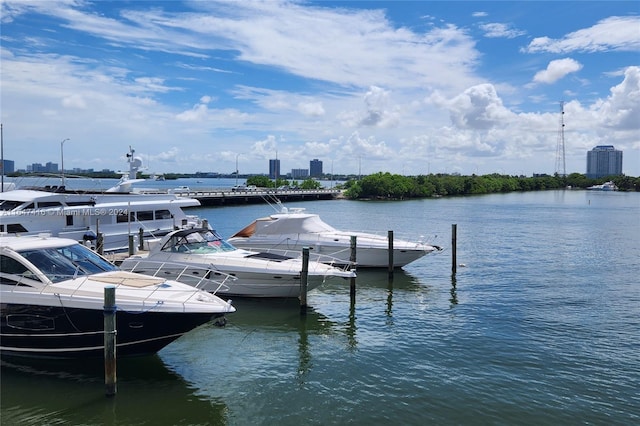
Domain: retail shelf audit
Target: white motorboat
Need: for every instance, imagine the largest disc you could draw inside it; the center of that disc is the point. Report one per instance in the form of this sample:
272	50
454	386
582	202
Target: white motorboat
257	274
293	229
115	213
82	216
52	293
607	186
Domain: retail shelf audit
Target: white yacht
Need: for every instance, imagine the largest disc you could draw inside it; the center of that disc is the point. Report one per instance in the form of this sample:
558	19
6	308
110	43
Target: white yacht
607	186
52	292
293	229
115	213
255	274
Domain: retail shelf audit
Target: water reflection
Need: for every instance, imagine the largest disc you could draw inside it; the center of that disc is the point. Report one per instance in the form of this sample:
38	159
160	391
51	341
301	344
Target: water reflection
277	315
400	280
304	364
352	342
454	292
73	392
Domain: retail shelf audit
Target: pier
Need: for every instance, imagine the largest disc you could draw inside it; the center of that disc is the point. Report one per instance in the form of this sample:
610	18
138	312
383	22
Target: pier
256	196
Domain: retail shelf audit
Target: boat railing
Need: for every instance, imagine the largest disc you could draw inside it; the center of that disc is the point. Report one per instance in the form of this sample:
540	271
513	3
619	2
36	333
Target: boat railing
75	286
203	278
419	240
327	259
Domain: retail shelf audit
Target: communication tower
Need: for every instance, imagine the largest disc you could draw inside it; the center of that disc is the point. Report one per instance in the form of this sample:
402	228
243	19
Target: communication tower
561	166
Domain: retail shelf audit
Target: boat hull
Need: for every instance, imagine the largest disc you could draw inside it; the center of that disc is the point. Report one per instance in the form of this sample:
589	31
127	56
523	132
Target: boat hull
340	255
63	332
242	283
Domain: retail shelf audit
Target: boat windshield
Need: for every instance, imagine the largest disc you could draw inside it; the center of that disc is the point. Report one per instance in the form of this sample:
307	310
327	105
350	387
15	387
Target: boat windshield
204	242
8	205
63	263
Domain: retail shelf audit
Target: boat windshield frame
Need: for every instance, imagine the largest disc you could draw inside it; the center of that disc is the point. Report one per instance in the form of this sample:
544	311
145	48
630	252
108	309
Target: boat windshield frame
197	242
66	262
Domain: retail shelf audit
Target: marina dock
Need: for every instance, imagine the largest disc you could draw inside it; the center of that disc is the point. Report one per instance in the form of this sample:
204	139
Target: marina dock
229	197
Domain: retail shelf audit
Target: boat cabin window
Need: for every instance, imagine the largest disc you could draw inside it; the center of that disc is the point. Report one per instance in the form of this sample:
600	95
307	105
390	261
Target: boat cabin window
30	206
144	215
7	205
81	203
10	266
163	214
69	220
49	204
64	263
198	243
135	216
13	228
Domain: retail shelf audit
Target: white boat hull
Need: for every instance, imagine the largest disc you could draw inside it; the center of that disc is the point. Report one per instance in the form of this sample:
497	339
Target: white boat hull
295	230
369	253
243	273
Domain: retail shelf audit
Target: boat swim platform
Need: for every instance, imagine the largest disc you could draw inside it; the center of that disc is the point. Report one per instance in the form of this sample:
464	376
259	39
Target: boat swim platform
227	197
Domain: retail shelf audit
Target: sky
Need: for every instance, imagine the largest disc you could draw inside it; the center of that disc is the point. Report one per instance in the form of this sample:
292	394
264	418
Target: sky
405	87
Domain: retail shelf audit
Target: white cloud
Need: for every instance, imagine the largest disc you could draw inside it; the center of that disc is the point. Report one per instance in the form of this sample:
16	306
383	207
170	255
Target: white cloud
478	107
499	30
556	70
313	109
621	110
613	33
333	83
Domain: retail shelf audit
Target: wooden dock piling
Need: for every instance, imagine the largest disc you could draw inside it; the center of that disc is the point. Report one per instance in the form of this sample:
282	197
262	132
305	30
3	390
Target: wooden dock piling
132	247
304	276
352	259
454	238
390	239
100	243
140	239
110	340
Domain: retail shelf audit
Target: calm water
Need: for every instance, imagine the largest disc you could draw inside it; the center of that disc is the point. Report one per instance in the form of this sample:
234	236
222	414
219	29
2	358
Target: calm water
540	326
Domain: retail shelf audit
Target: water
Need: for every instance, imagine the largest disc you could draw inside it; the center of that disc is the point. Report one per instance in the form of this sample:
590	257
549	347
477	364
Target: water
100	184
540	326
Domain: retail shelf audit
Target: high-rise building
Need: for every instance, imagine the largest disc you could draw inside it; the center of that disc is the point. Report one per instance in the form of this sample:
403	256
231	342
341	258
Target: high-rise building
299	173
274	169
7	166
315	168
604	160
39	168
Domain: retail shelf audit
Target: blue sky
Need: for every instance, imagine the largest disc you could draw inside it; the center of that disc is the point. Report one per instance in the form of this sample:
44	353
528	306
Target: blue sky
409	87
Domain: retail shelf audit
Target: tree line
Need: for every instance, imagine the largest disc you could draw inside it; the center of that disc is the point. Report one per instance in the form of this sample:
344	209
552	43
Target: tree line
398	187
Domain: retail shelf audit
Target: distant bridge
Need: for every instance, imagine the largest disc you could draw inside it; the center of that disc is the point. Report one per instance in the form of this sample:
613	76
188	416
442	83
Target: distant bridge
257	196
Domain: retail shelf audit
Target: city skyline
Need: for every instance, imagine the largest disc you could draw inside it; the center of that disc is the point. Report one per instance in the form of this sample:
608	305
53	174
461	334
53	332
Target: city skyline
401	87
601	161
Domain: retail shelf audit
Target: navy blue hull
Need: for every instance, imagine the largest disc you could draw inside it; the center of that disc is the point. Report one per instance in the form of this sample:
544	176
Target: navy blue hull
43	331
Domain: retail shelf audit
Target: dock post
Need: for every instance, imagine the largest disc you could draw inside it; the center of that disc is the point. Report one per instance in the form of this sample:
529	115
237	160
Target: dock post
352	259
100	243
390	239
110	340
140	239
454	238
304	280
132	249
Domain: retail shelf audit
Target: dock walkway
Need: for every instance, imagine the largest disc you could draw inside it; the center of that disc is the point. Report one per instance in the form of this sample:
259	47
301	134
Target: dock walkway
227	197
